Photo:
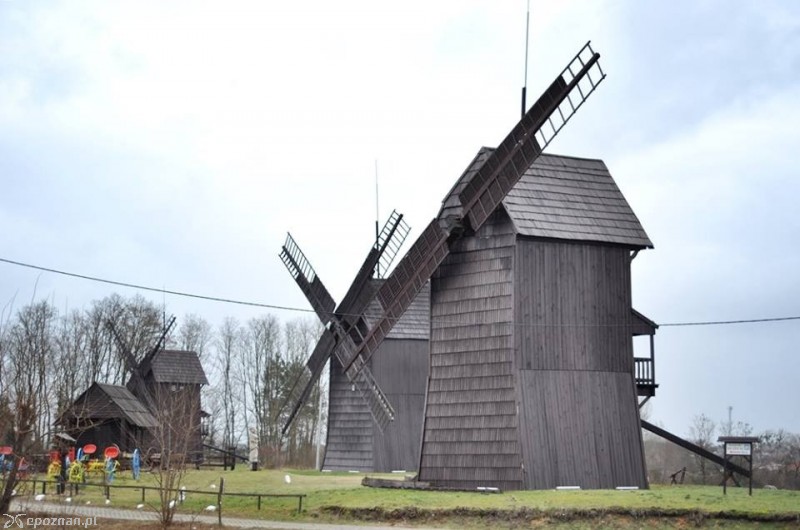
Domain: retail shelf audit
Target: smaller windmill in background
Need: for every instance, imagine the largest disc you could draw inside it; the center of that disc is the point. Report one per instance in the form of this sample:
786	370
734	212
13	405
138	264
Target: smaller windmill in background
354	441
158	410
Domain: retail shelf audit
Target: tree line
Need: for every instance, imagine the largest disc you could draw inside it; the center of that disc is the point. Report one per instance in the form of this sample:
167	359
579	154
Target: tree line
48	358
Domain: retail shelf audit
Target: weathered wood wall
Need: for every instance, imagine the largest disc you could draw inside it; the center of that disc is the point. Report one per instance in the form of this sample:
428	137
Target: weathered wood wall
400	367
349	441
579	416
470	431
401	370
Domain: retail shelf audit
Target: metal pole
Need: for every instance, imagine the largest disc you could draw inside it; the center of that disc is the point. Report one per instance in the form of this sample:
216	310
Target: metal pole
725	469
319	426
377	223
527	31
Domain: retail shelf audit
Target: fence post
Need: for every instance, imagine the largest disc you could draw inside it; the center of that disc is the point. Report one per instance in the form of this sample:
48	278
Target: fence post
219	500
300	503
259	502
142	494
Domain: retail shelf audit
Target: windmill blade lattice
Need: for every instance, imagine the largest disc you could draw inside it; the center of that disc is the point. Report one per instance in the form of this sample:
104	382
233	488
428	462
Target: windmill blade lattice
305	276
346	323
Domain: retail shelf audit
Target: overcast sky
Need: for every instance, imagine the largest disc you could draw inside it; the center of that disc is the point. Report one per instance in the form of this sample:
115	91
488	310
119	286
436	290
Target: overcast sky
173	145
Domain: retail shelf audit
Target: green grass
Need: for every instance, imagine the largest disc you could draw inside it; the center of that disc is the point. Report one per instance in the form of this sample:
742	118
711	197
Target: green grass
344	490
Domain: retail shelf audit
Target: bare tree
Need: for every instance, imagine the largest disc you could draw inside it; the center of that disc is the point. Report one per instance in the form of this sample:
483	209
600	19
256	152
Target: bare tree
228	347
177	429
301	336
70	345
702	431
195	334
27	347
259	373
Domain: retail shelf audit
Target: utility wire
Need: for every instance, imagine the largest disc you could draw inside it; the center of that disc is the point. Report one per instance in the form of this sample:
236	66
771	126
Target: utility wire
726	322
153	289
410	320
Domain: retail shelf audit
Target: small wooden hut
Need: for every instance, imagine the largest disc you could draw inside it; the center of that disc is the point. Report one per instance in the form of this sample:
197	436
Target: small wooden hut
108	414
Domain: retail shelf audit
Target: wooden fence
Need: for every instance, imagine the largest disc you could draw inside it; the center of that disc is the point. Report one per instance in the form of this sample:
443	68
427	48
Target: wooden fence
74	488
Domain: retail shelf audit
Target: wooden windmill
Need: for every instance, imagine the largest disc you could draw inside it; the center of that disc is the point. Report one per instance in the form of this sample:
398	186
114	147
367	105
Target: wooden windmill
360	435
469	438
168	384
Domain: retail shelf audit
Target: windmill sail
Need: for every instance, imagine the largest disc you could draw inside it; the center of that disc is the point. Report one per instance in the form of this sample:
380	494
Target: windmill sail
346	325
484	193
305	276
138	370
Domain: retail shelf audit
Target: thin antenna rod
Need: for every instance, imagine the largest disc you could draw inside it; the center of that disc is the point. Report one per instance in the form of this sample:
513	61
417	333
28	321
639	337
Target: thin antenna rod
377	218
527	32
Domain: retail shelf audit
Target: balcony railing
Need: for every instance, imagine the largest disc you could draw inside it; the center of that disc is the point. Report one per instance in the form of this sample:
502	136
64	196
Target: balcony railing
644	374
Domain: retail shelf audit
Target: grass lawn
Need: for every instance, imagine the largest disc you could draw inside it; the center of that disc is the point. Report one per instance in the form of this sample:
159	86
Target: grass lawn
340	497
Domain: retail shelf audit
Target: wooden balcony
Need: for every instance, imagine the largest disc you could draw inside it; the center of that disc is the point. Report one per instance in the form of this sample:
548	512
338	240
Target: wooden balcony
645	376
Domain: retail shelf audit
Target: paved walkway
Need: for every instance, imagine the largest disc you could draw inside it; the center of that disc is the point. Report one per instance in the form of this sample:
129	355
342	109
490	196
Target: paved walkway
105	512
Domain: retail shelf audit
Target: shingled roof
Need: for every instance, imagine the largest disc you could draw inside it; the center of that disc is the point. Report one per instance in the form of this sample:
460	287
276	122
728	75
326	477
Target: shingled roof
177	366
101	402
562	197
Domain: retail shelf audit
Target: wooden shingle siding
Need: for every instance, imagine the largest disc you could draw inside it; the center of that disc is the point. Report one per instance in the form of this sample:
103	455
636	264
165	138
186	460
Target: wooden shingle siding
581	429
573	199
349	442
414	324
470	433
400	368
178	366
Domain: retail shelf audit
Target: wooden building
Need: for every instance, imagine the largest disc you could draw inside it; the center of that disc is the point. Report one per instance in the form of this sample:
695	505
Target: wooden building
108	414
354	440
158	409
531	363
174	380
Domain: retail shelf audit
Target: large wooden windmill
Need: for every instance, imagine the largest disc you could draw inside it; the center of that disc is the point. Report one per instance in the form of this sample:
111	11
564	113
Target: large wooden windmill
361	434
471	445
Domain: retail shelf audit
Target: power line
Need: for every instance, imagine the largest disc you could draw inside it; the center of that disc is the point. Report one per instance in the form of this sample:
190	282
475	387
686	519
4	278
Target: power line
726	322
411	320
153	289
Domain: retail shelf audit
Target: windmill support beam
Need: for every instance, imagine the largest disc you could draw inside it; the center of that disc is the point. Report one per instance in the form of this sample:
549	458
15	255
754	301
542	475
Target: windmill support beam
696	449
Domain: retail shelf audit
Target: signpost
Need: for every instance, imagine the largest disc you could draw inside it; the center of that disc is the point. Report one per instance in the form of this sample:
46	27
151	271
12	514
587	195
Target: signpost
741	446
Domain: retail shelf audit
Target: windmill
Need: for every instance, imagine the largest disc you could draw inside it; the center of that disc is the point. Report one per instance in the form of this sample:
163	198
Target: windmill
168	383
477	199
350	437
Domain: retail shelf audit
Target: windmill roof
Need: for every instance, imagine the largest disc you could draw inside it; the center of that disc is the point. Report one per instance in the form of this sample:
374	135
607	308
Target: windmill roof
178	366
563	197
101	401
